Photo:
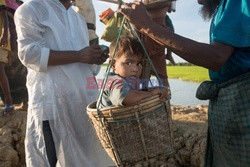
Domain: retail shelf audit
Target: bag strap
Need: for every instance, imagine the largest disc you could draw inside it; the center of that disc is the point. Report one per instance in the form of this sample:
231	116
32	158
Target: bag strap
91	26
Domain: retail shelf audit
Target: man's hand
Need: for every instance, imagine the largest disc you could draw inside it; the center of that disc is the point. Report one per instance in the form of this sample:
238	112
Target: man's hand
89	55
133	11
92	55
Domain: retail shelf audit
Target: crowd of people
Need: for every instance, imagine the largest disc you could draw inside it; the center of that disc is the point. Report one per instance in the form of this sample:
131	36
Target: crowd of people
57	58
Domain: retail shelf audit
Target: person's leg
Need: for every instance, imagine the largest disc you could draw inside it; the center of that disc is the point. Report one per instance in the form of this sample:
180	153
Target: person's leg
16	73
49	144
24	106
13	34
5	86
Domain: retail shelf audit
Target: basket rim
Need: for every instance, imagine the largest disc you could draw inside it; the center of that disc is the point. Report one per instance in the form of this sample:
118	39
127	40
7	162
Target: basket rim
141	102
142	109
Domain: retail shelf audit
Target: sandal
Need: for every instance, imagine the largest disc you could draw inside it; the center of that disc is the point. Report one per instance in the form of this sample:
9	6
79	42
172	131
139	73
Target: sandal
8	110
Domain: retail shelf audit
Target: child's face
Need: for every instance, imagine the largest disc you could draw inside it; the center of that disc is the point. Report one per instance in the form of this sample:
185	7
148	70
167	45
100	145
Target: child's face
128	66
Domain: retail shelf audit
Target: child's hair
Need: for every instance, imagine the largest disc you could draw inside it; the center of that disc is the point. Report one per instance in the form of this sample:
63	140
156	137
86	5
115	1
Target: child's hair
126	45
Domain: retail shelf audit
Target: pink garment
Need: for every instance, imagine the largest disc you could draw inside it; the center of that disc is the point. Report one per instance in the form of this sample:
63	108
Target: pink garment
11	4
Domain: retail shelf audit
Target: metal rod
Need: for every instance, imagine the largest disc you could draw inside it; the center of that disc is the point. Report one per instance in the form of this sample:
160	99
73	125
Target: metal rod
148	6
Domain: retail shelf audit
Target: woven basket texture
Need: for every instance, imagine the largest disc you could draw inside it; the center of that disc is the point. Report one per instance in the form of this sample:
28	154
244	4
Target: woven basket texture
135	133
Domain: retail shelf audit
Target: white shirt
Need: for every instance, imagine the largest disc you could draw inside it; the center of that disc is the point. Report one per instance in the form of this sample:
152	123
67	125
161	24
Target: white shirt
57	93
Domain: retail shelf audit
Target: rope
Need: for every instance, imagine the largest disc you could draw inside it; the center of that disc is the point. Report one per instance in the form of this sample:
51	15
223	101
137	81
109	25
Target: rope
109	66
142	137
113	55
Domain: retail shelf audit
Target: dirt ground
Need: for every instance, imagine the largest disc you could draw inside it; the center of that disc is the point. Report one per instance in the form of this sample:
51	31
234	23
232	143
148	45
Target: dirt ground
189	130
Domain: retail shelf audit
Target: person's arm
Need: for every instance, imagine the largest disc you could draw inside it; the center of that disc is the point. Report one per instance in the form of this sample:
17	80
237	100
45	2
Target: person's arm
135	96
90	55
33	52
211	56
170	57
120	93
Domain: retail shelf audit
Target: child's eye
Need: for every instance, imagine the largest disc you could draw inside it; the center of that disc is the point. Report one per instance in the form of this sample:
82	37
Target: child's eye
139	64
129	63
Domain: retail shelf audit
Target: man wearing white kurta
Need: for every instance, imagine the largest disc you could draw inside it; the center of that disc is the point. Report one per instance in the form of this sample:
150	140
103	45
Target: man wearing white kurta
53	45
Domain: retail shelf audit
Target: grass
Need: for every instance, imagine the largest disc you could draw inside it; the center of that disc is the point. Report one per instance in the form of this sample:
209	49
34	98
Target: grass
189	73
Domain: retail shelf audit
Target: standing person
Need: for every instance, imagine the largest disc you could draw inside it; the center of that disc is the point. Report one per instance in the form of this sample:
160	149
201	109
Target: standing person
228	59
169	24
53	44
13	4
15	71
4	59
86	9
155	50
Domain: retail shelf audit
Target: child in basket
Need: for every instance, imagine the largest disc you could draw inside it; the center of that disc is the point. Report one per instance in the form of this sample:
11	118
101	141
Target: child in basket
122	84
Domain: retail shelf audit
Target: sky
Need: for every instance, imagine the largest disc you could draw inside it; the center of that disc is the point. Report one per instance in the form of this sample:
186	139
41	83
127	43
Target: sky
186	20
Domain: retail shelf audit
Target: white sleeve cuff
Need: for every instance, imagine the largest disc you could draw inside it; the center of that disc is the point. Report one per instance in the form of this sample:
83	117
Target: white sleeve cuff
44	59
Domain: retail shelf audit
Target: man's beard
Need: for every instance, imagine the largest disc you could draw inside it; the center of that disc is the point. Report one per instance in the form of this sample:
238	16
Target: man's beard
208	8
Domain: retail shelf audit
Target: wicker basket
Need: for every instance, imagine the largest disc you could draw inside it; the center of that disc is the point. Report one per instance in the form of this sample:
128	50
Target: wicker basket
134	133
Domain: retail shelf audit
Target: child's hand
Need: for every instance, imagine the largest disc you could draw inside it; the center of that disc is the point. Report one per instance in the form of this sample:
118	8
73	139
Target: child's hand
162	92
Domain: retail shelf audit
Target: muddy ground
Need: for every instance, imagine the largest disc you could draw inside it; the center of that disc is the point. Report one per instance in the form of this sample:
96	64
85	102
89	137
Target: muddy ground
189	129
